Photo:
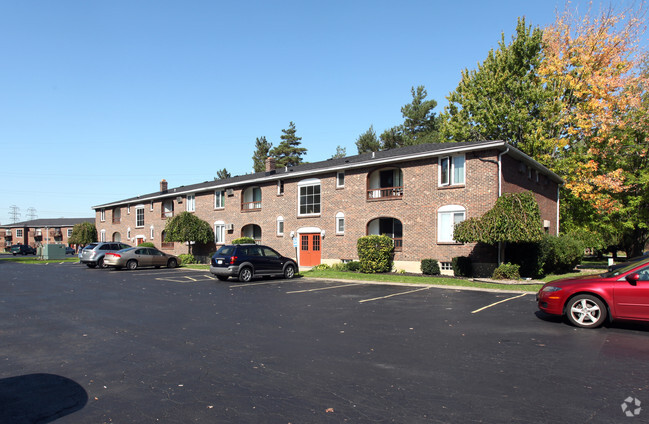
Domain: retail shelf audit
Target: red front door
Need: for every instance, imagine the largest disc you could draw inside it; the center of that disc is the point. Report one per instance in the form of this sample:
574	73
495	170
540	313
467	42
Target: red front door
309	249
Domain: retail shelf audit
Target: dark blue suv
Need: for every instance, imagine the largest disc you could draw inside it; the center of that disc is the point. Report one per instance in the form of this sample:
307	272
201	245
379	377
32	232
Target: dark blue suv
245	261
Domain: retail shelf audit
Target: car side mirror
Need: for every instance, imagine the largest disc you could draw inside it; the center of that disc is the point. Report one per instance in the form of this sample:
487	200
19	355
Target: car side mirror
633	278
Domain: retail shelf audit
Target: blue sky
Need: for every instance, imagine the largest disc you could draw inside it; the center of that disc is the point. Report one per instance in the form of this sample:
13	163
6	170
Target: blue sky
99	101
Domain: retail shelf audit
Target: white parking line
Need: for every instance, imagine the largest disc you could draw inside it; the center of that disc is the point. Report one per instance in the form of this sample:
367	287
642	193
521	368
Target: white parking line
392	295
321	288
500	301
237	286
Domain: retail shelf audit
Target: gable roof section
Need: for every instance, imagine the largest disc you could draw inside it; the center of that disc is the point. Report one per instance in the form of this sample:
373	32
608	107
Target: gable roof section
418	151
45	222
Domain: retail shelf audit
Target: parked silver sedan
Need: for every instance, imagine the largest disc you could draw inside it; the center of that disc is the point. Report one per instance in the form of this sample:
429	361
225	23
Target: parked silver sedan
135	257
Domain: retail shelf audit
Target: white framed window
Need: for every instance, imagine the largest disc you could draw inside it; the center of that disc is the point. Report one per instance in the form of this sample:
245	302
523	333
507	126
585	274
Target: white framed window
280	225
219	199
128	233
191	203
19	232
340	223
446	266
340	179
8	233
151	232
309	199
139	217
102	235
128	209
38	232
447	218
102	215
451	170
151	206
219	232
280	187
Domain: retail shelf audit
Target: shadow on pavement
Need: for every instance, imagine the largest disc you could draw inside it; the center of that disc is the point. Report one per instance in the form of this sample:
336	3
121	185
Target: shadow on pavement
39	398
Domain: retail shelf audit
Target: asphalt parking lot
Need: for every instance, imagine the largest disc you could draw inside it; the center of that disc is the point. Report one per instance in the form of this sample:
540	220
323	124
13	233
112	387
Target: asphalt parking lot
82	345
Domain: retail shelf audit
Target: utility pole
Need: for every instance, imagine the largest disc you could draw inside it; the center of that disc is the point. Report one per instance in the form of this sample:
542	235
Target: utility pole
14	213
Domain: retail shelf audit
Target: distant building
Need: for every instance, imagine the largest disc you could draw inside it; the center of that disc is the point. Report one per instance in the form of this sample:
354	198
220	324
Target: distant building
317	211
40	231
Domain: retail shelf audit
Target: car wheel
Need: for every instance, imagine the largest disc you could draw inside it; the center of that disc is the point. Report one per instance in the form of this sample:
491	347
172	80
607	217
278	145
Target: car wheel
245	275
172	263
91	265
586	311
222	277
132	264
289	271
100	263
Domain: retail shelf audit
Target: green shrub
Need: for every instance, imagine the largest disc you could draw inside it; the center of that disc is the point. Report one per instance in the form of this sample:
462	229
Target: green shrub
462	266
353	266
146	244
507	272
186	258
561	254
321	267
243	240
430	267
375	253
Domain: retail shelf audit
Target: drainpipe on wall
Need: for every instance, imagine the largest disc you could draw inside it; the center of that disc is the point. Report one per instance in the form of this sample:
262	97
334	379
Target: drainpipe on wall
500	192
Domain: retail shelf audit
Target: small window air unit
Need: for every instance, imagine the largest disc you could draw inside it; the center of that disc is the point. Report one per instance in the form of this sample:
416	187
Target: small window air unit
179	199
230	227
230	192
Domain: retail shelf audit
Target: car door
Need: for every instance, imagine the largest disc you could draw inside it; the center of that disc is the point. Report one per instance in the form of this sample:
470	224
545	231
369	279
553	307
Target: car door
157	257
142	256
273	260
632	298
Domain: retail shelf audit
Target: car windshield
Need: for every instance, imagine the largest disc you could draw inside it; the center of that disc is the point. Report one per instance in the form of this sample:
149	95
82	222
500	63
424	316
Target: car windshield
225	250
620	271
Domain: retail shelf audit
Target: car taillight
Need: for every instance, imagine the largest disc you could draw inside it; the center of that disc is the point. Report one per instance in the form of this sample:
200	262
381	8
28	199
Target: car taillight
233	259
114	254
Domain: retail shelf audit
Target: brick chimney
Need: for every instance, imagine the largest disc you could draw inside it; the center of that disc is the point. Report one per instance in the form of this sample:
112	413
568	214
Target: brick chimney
270	164
163	186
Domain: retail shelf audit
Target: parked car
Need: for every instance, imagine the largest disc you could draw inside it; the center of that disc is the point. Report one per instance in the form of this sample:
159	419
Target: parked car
94	253
22	249
135	257
246	261
589	300
625	263
69	250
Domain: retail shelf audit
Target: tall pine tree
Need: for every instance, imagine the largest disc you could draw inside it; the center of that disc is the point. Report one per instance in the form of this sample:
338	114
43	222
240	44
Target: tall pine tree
262	149
288	152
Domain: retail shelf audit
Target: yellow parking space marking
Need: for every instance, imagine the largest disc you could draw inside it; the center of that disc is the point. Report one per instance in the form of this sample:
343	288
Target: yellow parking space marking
499	302
321	288
392	295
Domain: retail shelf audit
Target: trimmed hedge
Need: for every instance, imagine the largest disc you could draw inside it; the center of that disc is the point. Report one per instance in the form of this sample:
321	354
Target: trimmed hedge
146	244
561	254
243	240
462	266
186	258
375	253
507	272
430	267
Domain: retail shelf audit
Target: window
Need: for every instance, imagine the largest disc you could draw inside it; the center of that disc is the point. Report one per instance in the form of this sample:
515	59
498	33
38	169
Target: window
151	206
139	216
102	235
102	215
167	209
128	233
128	209
340	223
446	266
451	170
19	232
219	199
385	184
251	199
309	197
340	179
152	232
447	218
280	225
38	232
219	232
191	202
280	188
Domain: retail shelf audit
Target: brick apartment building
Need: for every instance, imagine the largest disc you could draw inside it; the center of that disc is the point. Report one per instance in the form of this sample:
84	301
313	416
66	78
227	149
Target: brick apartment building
38	232
414	194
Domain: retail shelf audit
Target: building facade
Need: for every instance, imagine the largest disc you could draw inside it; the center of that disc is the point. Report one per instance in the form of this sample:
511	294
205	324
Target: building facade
316	212
38	232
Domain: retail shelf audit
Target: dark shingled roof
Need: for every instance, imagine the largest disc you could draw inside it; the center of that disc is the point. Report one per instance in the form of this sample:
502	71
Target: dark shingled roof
49	222
363	159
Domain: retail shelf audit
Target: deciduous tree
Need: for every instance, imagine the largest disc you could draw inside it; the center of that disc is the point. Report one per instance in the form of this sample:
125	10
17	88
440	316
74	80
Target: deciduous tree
188	228
83	233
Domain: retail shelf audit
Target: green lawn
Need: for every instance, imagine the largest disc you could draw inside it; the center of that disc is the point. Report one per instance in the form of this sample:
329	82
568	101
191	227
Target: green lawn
31	259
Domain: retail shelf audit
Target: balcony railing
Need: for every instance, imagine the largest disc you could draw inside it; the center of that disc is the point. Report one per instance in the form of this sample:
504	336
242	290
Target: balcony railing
167	214
385	193
250	206
398	244
117	219
167	245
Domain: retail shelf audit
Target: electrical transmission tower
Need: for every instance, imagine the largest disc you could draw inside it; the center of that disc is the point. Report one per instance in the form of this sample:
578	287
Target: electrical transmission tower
14	213
31	214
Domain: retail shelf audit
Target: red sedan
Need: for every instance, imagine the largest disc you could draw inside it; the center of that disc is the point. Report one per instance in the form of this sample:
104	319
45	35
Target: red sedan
587	301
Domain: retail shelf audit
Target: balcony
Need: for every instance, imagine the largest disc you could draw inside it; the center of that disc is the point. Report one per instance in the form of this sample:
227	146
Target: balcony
166	214
398	244
167	245
385	193
117	219
250	206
